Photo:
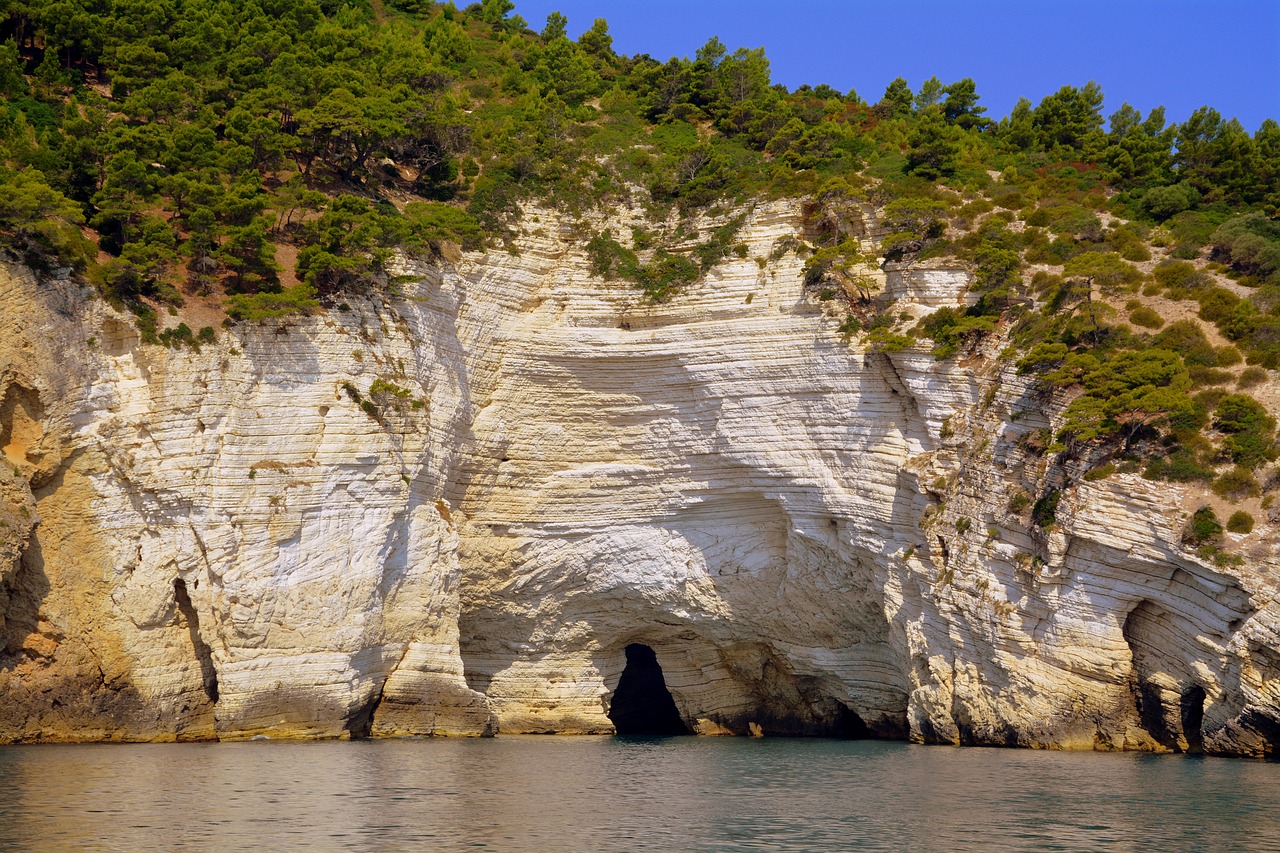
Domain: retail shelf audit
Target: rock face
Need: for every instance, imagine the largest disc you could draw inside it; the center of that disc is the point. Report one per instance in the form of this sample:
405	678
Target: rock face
451	512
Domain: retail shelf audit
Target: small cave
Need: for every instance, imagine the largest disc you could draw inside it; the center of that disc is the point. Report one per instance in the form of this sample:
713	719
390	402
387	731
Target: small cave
204	654
1192	707
21	413
848	725
642	705
1168	702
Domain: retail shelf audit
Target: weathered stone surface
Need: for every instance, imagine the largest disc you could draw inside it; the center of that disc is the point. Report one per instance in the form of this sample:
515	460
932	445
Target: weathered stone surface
814	538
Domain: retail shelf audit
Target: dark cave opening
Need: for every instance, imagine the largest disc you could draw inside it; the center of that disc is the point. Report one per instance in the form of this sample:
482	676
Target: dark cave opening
1193	717
204	654
642	705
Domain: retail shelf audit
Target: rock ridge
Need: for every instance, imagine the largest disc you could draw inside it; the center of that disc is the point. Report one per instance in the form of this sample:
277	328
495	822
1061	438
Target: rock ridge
813	536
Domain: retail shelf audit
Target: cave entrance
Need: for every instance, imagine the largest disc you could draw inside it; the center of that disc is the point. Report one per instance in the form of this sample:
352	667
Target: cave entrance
642	705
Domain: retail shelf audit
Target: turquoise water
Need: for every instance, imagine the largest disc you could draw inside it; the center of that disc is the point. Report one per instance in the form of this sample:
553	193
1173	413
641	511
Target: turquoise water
614	794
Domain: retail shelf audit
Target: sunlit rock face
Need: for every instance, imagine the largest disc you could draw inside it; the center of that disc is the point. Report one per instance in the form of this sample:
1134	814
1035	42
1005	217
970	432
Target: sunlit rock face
254	539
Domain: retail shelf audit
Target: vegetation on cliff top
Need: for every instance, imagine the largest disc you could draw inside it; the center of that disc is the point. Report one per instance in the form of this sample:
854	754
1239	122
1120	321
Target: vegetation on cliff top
277	152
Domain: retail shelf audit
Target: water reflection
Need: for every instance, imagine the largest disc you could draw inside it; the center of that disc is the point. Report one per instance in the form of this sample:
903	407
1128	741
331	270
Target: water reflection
621	794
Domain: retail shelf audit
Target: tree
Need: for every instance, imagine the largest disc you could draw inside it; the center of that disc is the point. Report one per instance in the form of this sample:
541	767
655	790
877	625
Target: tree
1130	391
556	28
596	41
961	106
898	97
1018	129
844	265
1138	151
931	91
1103	270
344	130
1070	120
39	223
249	253
562	67
933	145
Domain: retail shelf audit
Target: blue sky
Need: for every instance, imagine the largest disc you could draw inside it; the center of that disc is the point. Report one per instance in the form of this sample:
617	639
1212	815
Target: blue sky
1178	53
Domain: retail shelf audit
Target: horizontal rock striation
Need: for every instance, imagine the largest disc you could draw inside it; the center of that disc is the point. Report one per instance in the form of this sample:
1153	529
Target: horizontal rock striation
451	512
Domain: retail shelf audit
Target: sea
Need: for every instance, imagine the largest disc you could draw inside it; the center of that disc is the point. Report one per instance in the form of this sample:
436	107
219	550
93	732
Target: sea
549	793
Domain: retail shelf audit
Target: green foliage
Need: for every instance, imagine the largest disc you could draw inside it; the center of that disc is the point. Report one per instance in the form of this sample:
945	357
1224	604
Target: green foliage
844	265
1249	430
1045	511
291	301
236	134
1018	502
1203	528
432	224
1250	244
660	279
1145	316
39	224
1160	203
1237	484
1102	472
951	329
1240	522
1252	376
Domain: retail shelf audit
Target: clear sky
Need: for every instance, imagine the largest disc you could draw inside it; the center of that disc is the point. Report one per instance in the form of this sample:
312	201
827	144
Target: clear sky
1182	54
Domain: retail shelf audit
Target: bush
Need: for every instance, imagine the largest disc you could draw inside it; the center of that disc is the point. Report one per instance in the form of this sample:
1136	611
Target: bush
429	224
1240	522
1182	466
1146	317
1180	278
1237	484
1046	509
1102	472
1163	202
270	306
1249	430
1203	528
1252	376
1018	502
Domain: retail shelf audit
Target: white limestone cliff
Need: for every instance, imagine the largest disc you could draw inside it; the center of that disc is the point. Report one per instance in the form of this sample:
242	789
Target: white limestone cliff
813	537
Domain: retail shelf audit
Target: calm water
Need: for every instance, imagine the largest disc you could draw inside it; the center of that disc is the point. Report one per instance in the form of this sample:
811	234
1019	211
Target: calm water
607	794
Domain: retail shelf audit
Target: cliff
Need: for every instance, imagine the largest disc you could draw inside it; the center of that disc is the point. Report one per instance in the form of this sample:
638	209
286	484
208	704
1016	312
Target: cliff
450	512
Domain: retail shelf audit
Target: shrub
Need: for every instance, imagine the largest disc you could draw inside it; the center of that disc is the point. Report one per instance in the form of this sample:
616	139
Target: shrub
1203	527
1252	376
1046	509
1163	202
1180	278
1237	484
1181	467
429	224
1146	317
1201	376
1240	522
256	307
1249	430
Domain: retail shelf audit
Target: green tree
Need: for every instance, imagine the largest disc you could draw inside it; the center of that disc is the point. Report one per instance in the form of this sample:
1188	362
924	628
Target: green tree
1096	272
845	266
596	41
1070	120
898	97
40	224
961	106
934	148
556	28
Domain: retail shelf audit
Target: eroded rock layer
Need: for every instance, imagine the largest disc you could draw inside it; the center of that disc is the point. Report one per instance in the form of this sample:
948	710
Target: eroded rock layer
451	512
